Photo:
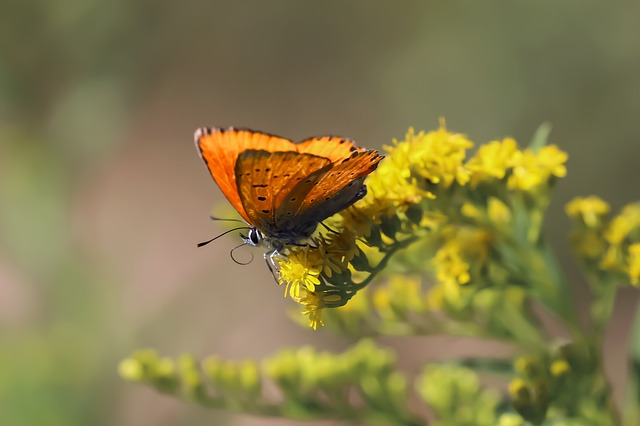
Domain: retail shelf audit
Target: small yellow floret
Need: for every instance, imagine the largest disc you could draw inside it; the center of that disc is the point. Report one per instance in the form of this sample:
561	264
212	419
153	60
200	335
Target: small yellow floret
590	209
633	264
492	160
559	367
300	270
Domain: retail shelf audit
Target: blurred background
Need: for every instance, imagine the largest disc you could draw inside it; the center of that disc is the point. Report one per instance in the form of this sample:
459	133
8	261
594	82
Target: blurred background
103	196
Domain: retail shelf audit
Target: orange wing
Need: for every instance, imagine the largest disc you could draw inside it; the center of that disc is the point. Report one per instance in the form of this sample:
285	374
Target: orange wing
265	178
281	187
220	148
333	147
337	189
358	165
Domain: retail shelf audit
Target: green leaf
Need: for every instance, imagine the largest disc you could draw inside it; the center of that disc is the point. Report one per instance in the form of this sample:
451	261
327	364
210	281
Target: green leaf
540	137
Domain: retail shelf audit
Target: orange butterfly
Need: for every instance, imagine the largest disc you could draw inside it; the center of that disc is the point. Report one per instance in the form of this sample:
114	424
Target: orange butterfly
284	189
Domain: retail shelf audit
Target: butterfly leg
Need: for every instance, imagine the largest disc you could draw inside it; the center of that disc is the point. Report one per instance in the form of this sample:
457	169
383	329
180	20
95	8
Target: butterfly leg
329	229
269	258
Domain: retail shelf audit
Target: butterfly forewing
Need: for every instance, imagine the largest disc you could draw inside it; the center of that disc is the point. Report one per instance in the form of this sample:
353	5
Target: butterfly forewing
264	179
220	148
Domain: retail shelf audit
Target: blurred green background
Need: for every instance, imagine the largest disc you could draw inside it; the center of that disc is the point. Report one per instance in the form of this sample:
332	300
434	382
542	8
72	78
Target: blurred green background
103	197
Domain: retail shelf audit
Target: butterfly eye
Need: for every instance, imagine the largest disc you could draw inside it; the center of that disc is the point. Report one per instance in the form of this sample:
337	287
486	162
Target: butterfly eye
255	236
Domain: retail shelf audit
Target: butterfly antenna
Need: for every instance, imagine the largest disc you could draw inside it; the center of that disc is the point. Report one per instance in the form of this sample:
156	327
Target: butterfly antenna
204	243
226	219
236	260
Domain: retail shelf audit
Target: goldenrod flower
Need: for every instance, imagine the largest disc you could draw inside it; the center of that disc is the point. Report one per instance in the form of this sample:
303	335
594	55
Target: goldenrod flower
300	270
622	225
534	169
633	264
401	293
492	160
620	230
499	213
436	297
438	156
462	244
519	390
453	299
381	300
559	367
313	304
552	160
449	264
337	250
591	210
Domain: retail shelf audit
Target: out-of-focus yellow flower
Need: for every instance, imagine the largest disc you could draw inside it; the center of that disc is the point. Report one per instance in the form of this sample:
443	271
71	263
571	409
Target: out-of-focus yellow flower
358	304
552	159
612	258
519	390
400	292
131	369
436	297
589	245
622	225
525	365
590	209
633	264
492	161
534	169
621	228
498	212
510	419
462	245
300	270
471	211
559	367
449	264
381	300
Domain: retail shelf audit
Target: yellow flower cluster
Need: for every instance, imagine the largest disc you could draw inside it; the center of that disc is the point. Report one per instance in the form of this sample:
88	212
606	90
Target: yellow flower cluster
299	271
623	236
461	247
613	245
492	161
418	191
532	170
591	210
527	170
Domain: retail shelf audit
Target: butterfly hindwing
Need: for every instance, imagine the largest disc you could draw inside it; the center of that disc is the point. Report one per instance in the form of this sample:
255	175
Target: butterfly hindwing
339	187
332	191
265	178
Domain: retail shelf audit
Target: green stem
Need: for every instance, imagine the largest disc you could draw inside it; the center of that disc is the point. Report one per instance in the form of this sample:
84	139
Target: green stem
382	264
